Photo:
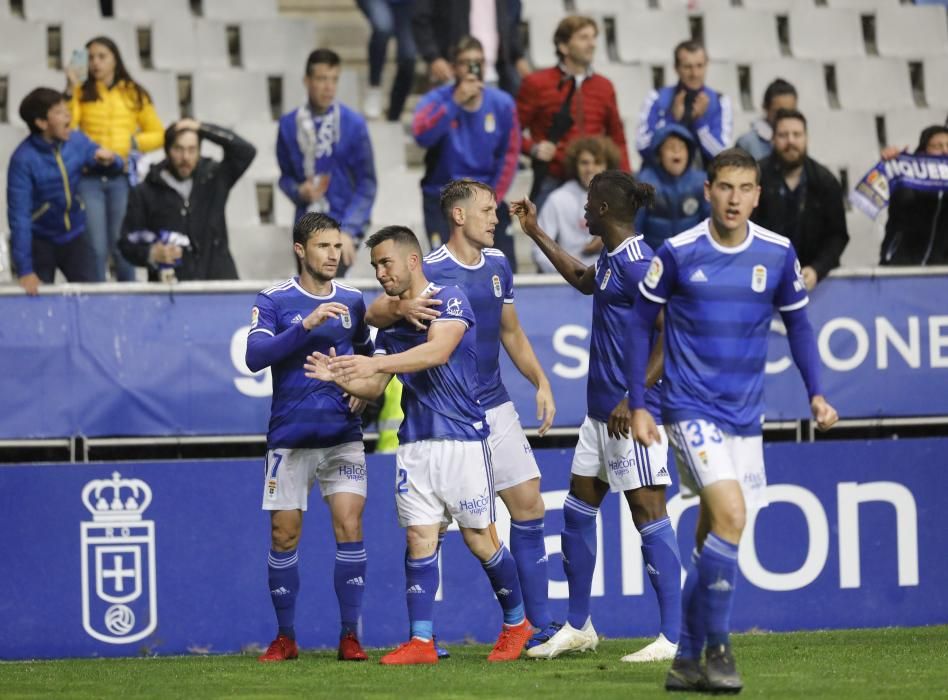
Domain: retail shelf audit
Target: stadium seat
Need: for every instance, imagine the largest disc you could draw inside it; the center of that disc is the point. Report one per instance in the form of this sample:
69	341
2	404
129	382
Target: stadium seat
862	5
56	10
865	239
185	45
236	10
144	11
806	76
540	29
695	7
346	33
532	8
903	126
388	146
163	88
78	29
263	135
936	87
21	43
284	211
632	84
912	32
843	139
631	125
10	137
276	45
348	92
779	6
741	35
242	208
230	97
824	34
23	80
650	35
262	252
875	84
608	8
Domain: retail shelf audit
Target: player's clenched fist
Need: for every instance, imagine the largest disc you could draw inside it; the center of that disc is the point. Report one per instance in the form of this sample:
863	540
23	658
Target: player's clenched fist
321	313
526	213
823	413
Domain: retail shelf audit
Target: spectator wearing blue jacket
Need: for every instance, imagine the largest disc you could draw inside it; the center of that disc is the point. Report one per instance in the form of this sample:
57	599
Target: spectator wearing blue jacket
690	103
471	132
47	219
325	156
679	187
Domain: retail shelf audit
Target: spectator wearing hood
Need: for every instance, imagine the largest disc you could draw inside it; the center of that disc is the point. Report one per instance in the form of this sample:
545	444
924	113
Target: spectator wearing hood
679	186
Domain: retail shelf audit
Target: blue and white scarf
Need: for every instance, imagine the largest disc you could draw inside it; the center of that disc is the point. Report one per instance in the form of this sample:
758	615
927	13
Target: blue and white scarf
923	173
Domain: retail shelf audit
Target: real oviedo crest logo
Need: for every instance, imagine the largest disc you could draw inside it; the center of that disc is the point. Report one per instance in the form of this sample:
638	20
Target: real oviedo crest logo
119	591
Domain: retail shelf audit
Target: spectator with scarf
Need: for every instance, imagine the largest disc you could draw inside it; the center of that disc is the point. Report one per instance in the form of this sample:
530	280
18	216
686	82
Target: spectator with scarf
325	155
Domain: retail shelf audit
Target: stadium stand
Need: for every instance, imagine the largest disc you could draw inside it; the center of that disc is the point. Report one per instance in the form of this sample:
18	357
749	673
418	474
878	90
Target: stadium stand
56	10
806	76
21	44
231	10
874	84
825	34
79	29
230	97
731	34
935	69
925	25
648	35
185	45
143	11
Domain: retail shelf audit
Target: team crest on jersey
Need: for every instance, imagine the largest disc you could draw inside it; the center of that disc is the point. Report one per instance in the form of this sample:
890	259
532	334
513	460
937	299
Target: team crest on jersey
490	123
254	317
454	307
654	274
498	291
759	278
345	319
605	279
689	206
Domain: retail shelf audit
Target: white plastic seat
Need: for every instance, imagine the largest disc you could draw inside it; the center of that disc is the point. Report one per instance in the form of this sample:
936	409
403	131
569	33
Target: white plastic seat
696	7
163	88
541	27
841	138
874	84
780	6
865	238
903	126
388	146
230	97
23	80
262	252
912	31
56	10
236	10
263	135
861	5
10	137
242	209
21	44
276	45
631	82
806	76
609	8
824	34
936	87
77	30
741	35
146	11
187	45
650	35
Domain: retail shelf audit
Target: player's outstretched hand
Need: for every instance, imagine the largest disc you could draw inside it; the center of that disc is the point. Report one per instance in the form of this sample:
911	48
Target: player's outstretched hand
526	213
620	421
823	413
317	366
418	311
323	312
357	405
644	429
546	408
347	368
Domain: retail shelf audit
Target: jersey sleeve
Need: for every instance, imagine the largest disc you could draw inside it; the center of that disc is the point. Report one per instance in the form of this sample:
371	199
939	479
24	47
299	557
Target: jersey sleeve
361	338
508	282
455	306
660	279
263	316
791	291
381	343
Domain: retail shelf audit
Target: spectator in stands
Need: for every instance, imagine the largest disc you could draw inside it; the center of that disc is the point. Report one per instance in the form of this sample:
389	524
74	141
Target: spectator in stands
561	104
758	141
563	214
802	200
175	222
679	187
47	222
389	18
917	230
470	131
440	25
703	111
325	155
117	113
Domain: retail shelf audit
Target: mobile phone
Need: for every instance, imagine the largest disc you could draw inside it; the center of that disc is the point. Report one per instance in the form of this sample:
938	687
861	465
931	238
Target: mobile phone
475	69
79	63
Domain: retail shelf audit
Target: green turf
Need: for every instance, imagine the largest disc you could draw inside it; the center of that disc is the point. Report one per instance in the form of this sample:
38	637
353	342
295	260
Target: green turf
886	663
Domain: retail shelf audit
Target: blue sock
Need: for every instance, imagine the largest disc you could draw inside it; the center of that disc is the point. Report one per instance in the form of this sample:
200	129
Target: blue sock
421	584
660	551
579	556
502	571
529	551
283	575
693	631
717	571
349	580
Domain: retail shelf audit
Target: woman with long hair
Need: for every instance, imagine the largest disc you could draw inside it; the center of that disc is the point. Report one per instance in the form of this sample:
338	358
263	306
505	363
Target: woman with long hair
118	114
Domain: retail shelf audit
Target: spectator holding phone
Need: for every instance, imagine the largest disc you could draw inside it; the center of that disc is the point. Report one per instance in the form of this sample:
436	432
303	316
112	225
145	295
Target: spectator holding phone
113	110
471	132
703	111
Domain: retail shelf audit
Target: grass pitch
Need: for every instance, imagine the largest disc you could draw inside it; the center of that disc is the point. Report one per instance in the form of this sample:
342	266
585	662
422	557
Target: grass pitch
885	663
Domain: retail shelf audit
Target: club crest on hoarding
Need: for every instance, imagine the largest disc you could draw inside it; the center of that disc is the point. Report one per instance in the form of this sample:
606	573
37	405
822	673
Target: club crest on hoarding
119	591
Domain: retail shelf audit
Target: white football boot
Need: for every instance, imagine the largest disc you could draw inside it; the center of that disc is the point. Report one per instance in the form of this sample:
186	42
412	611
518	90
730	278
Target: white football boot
567	640
659	650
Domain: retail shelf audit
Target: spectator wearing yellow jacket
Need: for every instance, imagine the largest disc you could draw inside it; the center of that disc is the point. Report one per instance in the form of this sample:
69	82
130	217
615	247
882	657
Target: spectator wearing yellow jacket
111	108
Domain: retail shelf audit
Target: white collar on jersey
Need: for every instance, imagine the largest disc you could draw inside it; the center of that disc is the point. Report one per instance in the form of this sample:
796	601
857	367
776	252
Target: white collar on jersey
625	244
748	239
296	283
448	253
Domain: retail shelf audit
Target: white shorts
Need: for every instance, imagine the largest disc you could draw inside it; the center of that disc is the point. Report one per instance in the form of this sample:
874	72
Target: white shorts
436	480
510	451
290	474
624	464
705	454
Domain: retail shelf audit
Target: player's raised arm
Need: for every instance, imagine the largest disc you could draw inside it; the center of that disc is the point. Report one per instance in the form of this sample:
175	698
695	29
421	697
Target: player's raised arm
419	311
443	338
574	271
520	350
358	377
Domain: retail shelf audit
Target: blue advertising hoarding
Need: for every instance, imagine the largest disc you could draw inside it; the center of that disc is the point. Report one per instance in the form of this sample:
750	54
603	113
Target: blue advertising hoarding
123	559
171	363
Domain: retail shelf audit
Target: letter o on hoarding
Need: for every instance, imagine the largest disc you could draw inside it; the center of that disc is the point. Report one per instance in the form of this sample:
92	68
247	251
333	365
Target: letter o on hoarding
862	344
818	528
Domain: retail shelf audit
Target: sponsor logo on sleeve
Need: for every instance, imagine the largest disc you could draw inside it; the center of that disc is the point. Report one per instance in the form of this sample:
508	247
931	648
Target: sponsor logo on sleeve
254	317
655	272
